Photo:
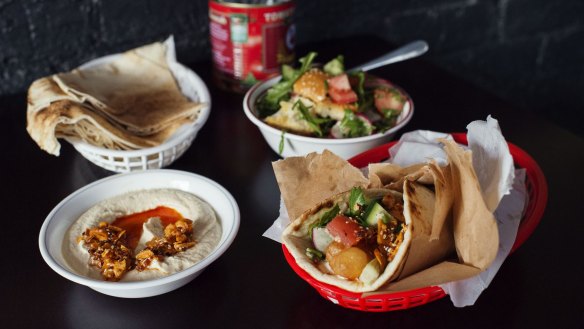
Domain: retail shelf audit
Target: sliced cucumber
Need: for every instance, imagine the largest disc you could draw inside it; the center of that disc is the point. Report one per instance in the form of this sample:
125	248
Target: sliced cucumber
375	213
321	238
370	272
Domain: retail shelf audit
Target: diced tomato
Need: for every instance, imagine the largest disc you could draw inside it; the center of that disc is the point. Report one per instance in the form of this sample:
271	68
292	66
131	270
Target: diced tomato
345	230
340	91
343	96
339	82
388	99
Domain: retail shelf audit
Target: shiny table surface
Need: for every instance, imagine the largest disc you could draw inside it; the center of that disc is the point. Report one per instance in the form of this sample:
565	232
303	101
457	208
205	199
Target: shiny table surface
251	285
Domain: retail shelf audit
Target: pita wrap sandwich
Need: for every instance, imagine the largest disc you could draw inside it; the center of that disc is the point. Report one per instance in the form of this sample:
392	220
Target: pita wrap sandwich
359	240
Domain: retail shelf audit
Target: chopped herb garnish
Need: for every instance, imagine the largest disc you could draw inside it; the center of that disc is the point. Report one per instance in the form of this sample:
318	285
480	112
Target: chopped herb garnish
388	121
313	121
353	126
287	72
324	219
361	85
357	201
390	113
398	228
250	80
314	254
281	145
270	101
366	99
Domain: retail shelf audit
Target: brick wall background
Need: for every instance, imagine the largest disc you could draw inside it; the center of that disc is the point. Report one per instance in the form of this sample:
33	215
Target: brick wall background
529	52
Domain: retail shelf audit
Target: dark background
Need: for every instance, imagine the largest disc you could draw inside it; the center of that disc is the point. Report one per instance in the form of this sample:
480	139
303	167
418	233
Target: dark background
528	52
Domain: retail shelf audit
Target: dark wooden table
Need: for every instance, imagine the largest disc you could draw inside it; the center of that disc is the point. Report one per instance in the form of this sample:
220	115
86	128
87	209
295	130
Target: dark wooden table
251	285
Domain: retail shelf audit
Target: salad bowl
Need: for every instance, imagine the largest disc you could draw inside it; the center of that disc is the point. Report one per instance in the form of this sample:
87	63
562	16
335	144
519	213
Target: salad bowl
287	143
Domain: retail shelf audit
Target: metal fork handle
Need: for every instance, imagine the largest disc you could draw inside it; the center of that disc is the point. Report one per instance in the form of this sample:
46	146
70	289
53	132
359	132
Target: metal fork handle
410	50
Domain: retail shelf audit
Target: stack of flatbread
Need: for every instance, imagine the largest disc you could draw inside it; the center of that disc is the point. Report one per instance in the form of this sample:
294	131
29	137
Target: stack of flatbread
132	102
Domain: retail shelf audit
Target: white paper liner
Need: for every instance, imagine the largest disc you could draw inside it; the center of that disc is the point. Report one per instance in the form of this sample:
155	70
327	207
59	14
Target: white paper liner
508	215
500	183
180	72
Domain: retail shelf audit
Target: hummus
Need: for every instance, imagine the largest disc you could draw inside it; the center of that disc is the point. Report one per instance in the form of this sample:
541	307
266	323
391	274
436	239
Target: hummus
206	231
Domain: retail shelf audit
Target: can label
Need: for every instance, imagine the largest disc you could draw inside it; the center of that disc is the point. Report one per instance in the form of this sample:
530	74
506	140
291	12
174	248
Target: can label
250	42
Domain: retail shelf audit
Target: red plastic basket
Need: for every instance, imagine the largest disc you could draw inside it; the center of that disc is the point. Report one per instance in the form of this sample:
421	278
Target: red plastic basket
537	192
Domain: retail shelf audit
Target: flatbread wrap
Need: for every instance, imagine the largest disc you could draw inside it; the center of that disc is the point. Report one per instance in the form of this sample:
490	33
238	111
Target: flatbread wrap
453	235
360	239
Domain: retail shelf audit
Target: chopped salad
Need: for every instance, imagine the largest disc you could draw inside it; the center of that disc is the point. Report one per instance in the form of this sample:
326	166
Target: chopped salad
329	102
357	239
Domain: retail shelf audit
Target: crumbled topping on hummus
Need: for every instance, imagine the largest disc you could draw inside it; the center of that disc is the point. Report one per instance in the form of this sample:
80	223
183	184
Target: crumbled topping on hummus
107	247
177	238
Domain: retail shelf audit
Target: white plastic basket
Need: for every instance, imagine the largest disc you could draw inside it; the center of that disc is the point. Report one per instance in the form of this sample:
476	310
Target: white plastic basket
164	154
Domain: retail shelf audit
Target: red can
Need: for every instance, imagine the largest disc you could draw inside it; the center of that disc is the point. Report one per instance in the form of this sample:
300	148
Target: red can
250	42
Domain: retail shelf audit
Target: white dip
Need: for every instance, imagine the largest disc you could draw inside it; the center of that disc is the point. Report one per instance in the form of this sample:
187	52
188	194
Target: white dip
206	231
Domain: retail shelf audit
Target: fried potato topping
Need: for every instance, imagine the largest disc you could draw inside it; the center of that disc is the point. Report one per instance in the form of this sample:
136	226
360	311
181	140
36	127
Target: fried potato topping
107	247
177	238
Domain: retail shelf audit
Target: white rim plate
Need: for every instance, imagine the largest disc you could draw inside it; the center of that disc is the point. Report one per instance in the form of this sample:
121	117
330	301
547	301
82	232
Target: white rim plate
68	210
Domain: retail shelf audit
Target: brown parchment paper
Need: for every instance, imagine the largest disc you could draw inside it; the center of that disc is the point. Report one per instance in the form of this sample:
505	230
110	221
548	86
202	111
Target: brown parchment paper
306	181
460	219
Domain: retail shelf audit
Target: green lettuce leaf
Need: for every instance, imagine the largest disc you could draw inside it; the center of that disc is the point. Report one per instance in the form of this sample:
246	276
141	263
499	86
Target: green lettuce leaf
269	103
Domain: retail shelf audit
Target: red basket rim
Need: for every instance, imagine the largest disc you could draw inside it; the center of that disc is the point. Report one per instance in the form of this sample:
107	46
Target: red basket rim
538	193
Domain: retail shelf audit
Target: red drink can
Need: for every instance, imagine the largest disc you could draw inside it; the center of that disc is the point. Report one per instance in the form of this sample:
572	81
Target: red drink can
250	41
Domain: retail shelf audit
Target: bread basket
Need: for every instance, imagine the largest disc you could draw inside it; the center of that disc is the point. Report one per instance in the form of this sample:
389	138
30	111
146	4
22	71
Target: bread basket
160	156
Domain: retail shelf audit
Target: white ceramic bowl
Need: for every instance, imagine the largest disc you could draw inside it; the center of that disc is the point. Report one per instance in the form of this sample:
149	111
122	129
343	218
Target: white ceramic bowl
297	145
67	211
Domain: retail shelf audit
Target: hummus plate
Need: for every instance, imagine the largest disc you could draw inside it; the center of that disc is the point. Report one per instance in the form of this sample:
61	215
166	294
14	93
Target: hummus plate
67	212
206	231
